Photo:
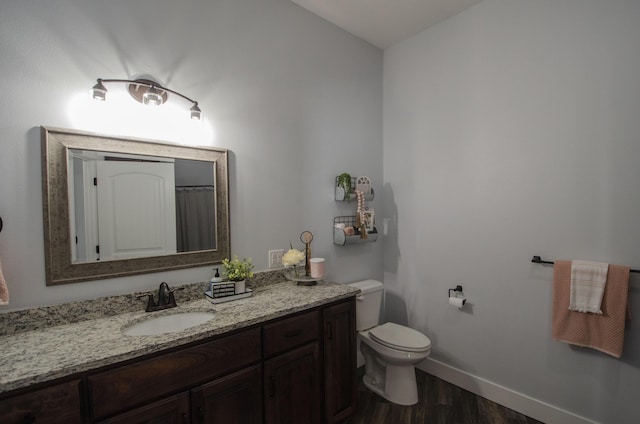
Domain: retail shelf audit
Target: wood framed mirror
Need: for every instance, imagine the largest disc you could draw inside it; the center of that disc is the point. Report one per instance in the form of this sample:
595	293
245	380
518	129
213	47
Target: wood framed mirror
116	206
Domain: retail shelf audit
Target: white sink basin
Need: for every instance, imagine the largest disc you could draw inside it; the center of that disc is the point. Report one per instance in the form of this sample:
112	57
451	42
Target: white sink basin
167	323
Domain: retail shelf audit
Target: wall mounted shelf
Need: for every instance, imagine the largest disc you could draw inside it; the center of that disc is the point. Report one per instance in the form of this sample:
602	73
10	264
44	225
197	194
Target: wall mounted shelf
342	239
342	197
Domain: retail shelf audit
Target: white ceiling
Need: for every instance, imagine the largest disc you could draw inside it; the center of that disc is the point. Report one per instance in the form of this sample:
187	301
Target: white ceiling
384	23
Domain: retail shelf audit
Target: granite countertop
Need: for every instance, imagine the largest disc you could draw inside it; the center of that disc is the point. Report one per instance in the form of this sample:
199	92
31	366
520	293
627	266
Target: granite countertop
58	350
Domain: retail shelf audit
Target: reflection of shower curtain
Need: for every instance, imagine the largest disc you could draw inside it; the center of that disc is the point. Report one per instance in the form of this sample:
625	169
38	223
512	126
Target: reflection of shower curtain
195	218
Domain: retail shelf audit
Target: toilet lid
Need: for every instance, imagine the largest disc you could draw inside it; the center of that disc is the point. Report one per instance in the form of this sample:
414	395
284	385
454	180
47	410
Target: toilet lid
400	337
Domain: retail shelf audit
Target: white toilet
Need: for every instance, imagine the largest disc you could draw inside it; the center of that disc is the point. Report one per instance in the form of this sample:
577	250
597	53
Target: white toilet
390	350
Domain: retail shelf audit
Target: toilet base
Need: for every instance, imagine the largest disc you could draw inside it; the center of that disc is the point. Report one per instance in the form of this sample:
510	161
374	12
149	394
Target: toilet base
396	383
400	385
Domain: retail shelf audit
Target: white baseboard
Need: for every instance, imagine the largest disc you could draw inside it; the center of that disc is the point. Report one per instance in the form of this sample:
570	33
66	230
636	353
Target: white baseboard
519	402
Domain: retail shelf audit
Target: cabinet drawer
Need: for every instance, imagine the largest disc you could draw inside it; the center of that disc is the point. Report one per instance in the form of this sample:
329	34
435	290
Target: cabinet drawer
131	385
291	332
174	409
55	404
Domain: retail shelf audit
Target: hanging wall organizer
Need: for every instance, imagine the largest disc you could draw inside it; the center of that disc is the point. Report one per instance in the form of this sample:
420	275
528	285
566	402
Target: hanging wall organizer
360	227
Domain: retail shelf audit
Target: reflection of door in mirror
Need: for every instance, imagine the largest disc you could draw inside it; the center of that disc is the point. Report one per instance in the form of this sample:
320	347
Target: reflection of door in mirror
136	212
133	206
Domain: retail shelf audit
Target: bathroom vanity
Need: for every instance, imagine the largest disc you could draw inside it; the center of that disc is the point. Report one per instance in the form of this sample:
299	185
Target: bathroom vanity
286	354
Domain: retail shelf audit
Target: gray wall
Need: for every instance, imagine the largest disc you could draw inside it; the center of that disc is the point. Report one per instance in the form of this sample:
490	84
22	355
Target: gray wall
295	99
512	130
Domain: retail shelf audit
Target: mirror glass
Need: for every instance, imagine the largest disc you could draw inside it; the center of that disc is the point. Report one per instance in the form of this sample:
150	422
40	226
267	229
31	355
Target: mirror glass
116	206
130	206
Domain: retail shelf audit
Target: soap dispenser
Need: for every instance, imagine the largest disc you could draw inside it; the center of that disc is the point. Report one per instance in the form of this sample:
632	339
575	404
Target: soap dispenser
216	278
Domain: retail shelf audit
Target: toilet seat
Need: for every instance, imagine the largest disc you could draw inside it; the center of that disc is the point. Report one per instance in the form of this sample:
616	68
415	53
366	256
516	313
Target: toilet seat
400	337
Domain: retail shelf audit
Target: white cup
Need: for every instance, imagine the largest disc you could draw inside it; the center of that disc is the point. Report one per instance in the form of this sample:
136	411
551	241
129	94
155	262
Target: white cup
317	267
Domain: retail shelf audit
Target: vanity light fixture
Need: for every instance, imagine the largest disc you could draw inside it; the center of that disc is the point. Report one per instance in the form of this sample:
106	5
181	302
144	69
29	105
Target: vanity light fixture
144	91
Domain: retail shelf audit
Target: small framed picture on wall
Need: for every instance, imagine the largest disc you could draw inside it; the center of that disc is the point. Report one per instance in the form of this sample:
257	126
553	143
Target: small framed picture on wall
369	219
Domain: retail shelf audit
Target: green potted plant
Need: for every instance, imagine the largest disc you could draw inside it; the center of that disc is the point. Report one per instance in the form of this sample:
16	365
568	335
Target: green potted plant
344	181
238	271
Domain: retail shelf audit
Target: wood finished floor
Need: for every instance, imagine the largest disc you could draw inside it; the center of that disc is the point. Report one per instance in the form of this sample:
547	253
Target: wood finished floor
439	403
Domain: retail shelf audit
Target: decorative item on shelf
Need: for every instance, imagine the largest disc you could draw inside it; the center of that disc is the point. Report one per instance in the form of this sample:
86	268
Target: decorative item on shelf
363	184
344	182
238	271
360	222
368	219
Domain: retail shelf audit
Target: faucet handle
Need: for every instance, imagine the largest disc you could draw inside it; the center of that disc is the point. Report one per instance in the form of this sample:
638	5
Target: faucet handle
151	305
172	296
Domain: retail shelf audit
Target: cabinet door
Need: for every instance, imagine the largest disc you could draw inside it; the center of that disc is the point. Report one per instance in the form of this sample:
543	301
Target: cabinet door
173	410
339	342
234	399
292	387
55	404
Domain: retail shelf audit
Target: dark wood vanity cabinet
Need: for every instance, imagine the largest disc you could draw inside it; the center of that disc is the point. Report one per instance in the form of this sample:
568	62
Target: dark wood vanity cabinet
196	369
233	399
55	404
297	369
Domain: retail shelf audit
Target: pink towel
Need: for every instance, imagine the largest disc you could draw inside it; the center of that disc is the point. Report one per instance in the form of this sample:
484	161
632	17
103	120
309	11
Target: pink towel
4	291
601	332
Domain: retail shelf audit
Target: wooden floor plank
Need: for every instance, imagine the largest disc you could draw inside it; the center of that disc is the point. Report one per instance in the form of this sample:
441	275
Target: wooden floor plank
439	403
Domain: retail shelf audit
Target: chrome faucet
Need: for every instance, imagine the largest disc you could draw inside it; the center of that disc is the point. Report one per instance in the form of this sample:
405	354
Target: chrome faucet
166	298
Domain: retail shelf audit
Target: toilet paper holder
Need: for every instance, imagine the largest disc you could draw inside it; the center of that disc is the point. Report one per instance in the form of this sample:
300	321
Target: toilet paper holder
457	289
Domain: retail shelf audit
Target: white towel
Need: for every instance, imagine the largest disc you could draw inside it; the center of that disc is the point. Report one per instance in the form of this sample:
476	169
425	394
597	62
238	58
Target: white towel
4	291
588	280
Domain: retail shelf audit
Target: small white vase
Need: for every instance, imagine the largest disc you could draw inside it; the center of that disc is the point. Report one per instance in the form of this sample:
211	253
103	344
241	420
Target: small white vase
240	287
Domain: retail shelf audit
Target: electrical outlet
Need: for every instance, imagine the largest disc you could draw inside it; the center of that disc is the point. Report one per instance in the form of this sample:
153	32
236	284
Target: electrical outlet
275	258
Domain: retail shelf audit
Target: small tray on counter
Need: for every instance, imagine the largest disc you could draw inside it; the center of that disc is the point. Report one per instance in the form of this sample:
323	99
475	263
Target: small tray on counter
210	298
302	280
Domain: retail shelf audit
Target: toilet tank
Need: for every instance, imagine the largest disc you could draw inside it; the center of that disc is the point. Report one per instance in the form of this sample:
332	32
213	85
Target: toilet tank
368	303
